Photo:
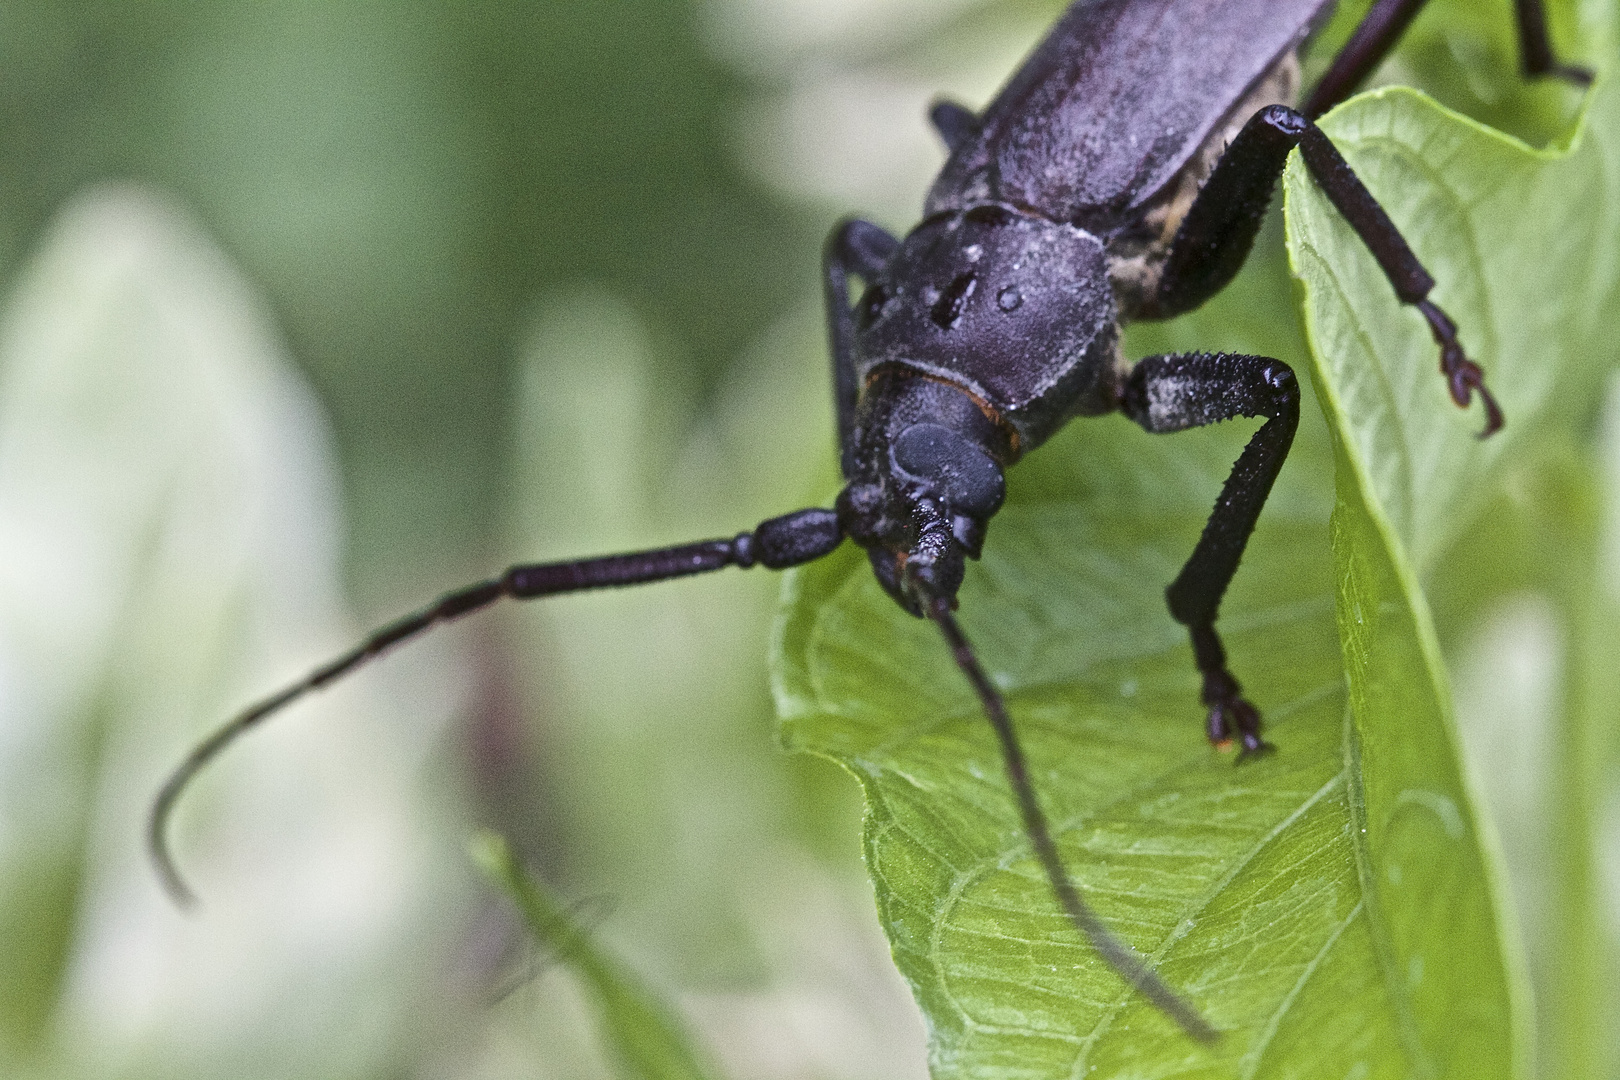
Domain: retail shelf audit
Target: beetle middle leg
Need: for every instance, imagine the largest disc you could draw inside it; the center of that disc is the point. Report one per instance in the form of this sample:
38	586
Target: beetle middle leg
1219	229
1177	392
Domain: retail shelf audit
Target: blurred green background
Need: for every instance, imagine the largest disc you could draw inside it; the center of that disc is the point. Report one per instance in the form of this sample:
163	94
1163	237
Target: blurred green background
317	309
403	184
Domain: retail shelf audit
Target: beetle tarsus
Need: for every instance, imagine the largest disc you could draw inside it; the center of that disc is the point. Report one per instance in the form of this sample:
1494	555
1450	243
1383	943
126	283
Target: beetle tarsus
1231	715
1464	378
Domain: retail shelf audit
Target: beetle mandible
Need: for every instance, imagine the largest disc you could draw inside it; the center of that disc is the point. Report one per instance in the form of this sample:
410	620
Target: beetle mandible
1122	173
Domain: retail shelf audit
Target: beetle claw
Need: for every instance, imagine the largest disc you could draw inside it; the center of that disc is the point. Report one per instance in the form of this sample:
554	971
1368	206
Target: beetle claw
1463	377
1231	716
1259	749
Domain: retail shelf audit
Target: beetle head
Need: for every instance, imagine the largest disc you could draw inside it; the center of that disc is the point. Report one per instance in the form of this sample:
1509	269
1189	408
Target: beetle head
927	483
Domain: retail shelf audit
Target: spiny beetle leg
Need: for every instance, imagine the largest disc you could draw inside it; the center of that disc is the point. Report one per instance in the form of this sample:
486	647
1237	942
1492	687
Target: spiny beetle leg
853	247
1173	393
1220	226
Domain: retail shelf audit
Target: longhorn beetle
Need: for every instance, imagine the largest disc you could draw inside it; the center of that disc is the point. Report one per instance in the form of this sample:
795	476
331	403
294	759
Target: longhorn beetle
1122	173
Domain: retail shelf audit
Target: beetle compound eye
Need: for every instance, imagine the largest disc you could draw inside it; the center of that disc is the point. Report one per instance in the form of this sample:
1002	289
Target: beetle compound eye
947	310
951	466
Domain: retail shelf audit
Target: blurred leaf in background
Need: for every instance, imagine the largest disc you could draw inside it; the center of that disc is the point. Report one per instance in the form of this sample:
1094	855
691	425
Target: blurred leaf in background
647	1039
170	536
423	197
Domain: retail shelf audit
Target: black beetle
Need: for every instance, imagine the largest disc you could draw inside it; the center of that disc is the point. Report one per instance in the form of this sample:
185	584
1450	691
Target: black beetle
1122	173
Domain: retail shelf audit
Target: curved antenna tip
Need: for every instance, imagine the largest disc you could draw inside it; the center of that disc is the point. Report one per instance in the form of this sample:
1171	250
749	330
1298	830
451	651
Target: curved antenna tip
157	841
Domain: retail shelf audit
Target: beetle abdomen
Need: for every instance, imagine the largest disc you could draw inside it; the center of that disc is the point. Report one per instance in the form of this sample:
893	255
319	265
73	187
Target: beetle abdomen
1114	104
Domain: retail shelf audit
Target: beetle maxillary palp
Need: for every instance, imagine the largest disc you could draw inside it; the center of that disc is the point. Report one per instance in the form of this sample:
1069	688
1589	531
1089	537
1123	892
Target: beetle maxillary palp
934	563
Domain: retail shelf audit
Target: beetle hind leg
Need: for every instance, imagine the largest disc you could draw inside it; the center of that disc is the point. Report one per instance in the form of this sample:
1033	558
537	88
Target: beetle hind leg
1386	20
1174	393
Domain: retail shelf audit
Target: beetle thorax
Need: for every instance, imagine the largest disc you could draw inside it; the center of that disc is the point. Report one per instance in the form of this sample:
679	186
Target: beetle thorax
1015	310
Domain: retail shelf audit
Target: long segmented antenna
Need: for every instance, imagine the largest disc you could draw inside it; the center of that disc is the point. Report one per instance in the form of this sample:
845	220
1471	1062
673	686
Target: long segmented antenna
1120	956
775	544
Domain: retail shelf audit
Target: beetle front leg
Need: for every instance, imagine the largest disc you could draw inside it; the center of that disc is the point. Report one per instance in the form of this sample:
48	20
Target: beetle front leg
1174	393
1220	226
955	123
854	247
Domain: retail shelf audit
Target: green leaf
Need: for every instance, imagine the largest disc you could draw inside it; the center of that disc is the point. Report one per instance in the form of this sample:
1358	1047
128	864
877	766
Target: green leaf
1332	908
643	1033
1241	884
1523	245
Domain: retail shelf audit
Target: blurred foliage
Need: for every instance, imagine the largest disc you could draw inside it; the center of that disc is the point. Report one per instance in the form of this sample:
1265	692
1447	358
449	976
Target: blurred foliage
645	1037
402	183
168	528
550	269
